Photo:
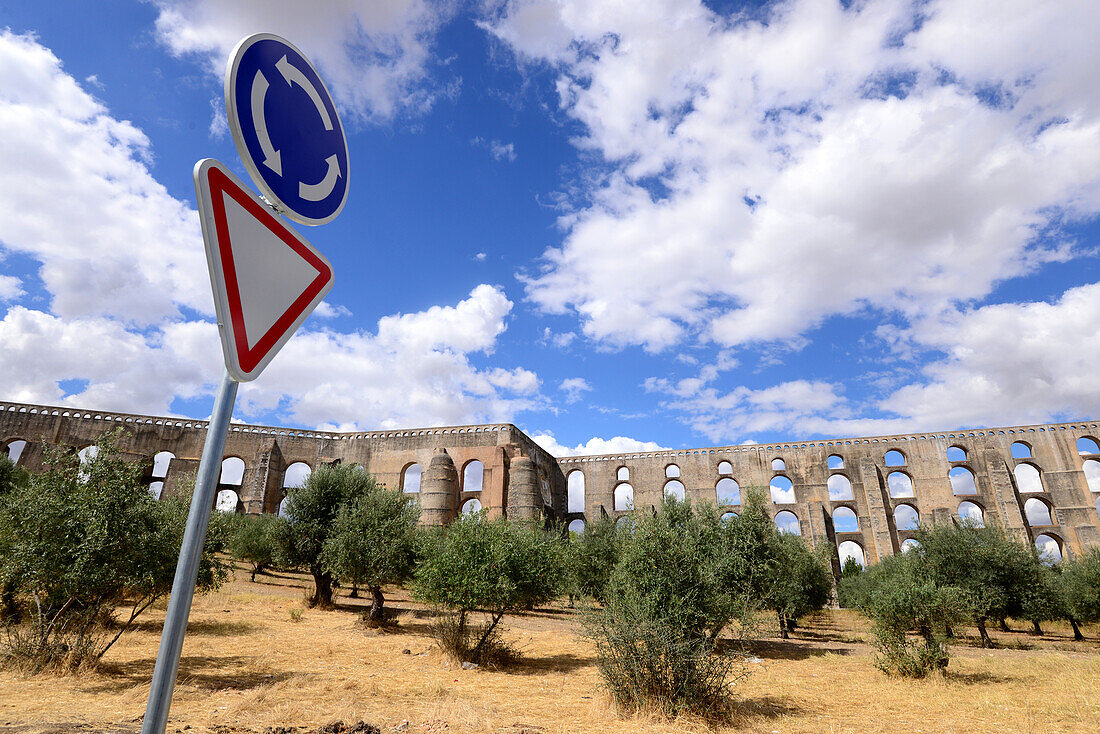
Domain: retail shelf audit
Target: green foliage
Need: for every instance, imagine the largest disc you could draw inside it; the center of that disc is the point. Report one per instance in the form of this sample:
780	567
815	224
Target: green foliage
900	595
373	542
78	541
311	513
594	555
851	577
253	540
496	566
803	581
1079	585
994	572
682	577
12	476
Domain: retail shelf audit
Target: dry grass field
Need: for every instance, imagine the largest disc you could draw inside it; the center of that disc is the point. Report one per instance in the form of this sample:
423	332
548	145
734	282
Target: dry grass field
249	665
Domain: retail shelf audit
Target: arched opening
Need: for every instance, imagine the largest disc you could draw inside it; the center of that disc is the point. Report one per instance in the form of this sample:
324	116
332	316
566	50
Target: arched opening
787	522
296	474
156	489
1020	450
728	517
1028	478
674	490
900	484
845	520
782	490
575	491
851	549
161	461
909	544
962	480
283	506
906	517
472	476
410	479
622	474
232	472
972	514
1098	506
727	491
227	501
1087	446
625	523
778	464
1050	550
894	458
470	507
86	455
956	453
1037	512
840	487
1091	468
672	471
724	467
835	462
15	450
576	526
624	497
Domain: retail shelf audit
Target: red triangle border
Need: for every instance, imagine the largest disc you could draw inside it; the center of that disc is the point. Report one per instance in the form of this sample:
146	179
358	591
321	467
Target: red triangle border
249	358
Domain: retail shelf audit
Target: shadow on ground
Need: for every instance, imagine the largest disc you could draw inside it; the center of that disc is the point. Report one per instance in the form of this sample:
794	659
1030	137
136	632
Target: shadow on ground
208	672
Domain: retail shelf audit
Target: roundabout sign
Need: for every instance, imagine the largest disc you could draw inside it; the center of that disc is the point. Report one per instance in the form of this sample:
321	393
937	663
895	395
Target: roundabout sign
286	129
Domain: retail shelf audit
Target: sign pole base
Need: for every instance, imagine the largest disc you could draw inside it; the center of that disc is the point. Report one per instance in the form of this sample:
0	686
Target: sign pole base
194	536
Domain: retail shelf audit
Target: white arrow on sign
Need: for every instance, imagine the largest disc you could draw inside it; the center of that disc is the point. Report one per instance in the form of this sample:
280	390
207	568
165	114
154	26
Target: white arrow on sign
319	191
272	158
293	75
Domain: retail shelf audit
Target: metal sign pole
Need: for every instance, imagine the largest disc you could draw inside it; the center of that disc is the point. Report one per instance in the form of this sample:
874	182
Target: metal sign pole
183	586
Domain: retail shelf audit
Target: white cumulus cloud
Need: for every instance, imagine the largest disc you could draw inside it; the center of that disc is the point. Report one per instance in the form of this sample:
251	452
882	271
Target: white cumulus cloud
595	445
374	56
763	176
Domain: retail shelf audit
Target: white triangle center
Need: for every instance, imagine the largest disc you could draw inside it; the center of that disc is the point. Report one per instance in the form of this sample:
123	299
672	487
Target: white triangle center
270	275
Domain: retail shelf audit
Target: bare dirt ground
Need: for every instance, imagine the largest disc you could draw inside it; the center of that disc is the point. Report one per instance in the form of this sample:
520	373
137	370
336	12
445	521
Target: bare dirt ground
248	666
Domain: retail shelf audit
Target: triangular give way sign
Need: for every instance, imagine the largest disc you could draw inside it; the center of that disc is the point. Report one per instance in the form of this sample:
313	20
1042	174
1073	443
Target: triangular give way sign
266	278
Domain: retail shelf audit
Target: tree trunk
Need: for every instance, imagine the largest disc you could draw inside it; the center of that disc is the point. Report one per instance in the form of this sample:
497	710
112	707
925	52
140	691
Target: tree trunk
354	592
948	632
986	641
1004	625
1076	630
322	589
1035	627
783	627
377	614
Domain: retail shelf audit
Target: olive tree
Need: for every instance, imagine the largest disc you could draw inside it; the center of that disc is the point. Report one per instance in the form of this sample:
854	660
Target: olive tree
899	594
373	542
311	511
496	566
80	540
992	571
802	581
593	557
1079	585
252	540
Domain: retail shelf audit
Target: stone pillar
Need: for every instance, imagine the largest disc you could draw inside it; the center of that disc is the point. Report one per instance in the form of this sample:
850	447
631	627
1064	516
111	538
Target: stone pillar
438	490
1004	494
881	522
524	498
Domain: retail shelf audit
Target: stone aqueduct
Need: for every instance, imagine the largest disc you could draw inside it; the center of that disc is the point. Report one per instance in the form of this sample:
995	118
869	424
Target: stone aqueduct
1040	482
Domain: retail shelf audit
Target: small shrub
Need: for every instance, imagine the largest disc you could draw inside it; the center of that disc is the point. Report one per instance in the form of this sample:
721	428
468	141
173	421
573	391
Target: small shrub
682	576
252	540
495	566
295	615
899	595
77	541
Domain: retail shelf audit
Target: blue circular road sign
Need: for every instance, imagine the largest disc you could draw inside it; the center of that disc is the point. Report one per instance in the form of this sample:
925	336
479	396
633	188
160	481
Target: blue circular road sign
286	129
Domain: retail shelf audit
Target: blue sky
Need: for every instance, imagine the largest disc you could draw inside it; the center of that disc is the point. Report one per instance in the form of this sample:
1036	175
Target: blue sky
618	227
